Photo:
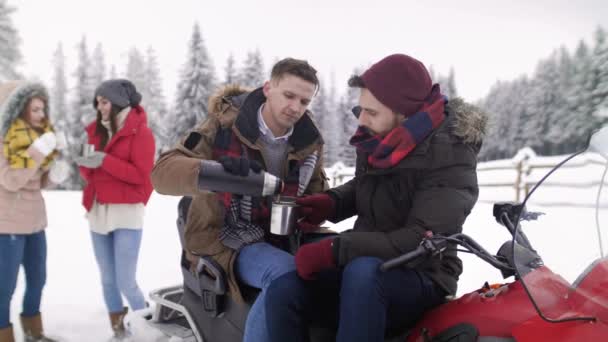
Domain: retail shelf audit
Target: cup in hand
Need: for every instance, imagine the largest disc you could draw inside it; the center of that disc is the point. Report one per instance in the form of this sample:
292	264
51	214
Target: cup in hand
87	149
283	216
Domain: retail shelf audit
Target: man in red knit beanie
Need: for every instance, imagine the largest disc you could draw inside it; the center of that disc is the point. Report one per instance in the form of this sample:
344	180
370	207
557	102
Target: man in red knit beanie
400	82
415	178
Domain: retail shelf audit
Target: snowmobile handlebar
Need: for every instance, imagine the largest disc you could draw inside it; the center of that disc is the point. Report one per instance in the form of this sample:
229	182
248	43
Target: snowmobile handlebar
432	245
435	245
400	260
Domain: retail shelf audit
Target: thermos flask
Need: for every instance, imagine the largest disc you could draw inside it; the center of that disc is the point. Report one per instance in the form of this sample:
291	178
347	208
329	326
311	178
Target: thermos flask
213	177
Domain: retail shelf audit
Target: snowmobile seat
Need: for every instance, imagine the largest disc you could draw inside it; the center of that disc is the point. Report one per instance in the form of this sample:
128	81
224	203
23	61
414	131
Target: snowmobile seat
218	317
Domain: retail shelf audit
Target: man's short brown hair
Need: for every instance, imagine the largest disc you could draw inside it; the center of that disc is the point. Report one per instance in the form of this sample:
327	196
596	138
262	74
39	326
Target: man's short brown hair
296	67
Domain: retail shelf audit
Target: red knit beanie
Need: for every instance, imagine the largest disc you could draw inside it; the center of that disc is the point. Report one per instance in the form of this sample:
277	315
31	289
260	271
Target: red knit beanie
400	82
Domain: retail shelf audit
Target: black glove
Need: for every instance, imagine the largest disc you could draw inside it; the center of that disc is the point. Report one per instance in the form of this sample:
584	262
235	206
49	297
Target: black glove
239	166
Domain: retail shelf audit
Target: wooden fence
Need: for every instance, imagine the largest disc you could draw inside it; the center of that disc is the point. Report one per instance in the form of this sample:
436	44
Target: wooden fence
514	177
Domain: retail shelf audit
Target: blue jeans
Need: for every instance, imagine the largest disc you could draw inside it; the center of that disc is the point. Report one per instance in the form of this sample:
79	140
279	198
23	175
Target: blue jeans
258	265
361	301
116	255
28	250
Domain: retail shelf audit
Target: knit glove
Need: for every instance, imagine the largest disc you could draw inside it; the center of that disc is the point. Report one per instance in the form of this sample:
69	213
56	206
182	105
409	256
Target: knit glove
239	166
313	210
314	258
59	172
46	143
91	161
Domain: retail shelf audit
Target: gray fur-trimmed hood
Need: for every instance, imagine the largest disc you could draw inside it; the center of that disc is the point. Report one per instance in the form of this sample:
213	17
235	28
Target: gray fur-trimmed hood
469	122
13	98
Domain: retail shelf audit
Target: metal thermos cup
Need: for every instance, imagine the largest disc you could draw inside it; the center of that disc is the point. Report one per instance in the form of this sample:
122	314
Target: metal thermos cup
283	216
87	149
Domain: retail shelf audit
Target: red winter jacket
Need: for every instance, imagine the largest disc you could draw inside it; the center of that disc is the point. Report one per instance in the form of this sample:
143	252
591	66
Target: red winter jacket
124	175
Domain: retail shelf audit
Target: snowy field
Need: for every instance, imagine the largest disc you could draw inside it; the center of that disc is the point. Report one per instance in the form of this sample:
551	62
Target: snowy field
73	307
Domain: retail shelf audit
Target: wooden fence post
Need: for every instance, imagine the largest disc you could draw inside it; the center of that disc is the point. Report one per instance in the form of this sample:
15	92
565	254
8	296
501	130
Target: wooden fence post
518	179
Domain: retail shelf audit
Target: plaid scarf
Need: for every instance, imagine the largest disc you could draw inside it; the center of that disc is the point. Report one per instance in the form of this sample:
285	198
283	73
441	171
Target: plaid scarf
388	151
247	217
18	139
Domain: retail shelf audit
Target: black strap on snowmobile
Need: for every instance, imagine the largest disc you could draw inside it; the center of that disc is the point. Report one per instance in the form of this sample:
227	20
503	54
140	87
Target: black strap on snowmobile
209	280
463	332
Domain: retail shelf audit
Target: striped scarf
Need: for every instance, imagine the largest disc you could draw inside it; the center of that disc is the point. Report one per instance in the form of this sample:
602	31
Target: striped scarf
18	139
388	151
240	228
246	216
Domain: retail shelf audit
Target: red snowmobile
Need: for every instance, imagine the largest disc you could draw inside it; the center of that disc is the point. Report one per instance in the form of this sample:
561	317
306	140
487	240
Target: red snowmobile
537	305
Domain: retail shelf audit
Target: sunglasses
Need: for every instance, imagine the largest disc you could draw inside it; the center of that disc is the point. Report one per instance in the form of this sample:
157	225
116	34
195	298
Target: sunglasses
356	111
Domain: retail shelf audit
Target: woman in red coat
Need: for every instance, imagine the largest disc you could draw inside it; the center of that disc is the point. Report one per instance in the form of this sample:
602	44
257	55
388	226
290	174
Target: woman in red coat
118	186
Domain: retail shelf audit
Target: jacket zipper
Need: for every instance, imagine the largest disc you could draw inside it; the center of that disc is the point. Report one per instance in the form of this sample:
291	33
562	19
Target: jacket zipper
371	201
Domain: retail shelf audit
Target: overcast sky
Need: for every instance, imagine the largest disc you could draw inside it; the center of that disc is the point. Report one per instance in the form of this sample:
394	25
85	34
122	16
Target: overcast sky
483	41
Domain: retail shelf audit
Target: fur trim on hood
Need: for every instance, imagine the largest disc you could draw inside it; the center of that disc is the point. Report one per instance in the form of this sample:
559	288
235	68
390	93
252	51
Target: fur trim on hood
470	121
226	95
13	98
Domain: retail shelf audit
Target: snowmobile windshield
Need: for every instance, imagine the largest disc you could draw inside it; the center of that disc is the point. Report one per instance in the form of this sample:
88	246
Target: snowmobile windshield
570	239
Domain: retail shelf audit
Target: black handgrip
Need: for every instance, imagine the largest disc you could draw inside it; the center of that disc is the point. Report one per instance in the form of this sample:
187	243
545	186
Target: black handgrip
400	260
211	276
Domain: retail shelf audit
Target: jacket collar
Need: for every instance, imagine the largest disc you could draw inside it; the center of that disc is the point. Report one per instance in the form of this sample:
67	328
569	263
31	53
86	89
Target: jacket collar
135	118
246	126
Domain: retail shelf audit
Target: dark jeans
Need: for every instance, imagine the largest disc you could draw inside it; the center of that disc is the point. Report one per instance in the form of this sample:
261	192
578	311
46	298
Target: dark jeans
363	302
28	250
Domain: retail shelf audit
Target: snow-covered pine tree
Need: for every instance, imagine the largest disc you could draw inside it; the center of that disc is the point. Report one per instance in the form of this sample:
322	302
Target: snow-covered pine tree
58	98
498	105
519	116
59	90
349	123
327	121
98	69
580	96
82	112
560	112
135	71
600	69
508	115
84	88
230	73
335	120
10	55
154	99
556	110
252	74
545	96
196	85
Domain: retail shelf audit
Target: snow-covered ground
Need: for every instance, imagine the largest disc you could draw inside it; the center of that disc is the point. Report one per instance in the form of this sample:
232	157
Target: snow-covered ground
72	304
73	307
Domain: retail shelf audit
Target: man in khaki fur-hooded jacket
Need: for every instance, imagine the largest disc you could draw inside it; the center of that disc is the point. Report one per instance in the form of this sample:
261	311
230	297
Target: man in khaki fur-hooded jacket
268	127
